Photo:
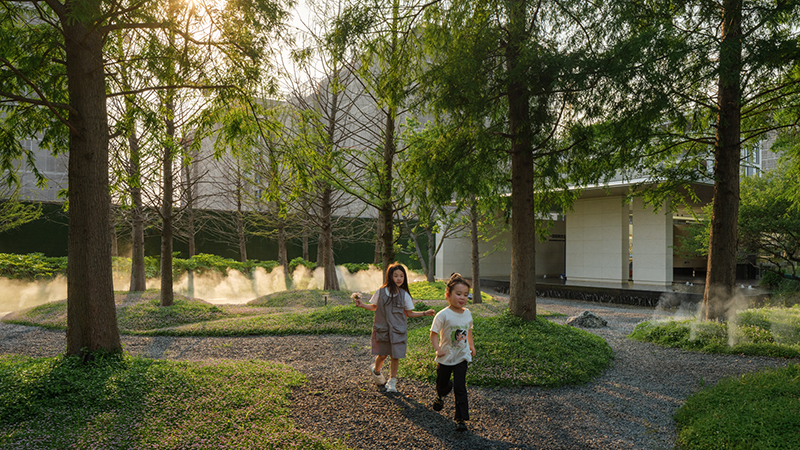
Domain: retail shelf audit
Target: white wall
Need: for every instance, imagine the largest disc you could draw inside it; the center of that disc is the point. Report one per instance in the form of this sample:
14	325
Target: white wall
652	244
456	255
597	240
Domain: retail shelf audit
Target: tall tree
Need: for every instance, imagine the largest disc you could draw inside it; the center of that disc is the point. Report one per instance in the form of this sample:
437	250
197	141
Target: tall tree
74	91
387	56
59	78
526	72
718	71
329	98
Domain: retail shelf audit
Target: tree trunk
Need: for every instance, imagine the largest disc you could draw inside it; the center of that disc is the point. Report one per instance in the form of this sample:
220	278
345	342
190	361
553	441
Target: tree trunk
91	313
190	230
305	244
331	279
322	245
418	250
378	240
476	261
721	273
138	274
431	271
387	207
112	230
283	260
167	293
522	301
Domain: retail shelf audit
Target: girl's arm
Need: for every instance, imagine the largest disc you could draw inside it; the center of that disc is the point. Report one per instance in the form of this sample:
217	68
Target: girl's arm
435	343
471	344
412	313
367	306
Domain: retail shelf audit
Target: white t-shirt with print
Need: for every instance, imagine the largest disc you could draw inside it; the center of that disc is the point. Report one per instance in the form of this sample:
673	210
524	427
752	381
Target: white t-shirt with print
452	328
409	303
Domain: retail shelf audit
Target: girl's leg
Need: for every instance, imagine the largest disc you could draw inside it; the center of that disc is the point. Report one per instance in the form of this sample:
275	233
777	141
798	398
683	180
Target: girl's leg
460	389
443	385
394	364
379	362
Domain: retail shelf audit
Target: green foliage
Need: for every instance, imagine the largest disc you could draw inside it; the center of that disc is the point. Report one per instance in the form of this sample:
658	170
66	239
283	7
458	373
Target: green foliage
766	331
757	410
771	279
769	217
693	243
355	267
301	262
14	213
205	263
33	266
514	352
123	402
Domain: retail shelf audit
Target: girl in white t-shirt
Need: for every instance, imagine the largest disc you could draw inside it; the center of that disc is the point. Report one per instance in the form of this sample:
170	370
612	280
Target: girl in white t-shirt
392	305
451	337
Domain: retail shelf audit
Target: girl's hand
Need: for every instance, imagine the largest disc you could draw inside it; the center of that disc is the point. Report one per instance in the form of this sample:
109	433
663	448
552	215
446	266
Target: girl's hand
430	312
472	351
440	353
358	302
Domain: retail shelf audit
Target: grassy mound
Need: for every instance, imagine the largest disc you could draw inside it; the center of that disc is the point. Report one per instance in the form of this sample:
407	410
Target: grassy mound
758	410
513	352
136	313
307	298
136	403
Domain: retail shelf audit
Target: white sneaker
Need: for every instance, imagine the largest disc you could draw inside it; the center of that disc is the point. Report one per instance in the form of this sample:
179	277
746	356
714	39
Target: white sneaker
391	385
379	379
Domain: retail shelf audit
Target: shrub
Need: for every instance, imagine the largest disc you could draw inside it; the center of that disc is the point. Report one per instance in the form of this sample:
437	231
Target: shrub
355	267
771	279
33	266
766	331
301	262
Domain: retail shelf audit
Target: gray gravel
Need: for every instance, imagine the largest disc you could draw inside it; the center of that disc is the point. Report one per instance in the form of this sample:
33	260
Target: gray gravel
630	406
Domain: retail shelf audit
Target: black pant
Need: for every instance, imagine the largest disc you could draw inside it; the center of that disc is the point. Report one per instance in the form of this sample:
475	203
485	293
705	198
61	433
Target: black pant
459	372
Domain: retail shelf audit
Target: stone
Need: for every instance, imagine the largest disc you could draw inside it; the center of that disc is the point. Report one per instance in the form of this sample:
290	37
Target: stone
587	319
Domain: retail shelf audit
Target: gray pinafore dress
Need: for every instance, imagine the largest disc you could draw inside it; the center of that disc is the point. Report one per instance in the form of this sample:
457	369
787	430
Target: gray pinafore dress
390	330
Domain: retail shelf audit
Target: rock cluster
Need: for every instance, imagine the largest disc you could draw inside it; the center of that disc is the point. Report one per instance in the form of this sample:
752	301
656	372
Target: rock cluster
587	319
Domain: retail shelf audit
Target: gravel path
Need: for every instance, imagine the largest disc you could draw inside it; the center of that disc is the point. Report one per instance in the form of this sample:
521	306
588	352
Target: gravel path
630	406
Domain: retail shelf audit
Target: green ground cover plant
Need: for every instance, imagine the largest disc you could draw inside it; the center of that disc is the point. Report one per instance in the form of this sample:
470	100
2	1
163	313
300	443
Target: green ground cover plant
771	331
513	352
37	393
754	411
425	290
306	298
135	403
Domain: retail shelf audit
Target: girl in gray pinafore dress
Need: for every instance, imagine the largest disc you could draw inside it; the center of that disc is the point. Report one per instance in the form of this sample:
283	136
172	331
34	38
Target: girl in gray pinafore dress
392	305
